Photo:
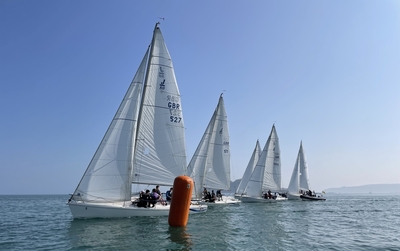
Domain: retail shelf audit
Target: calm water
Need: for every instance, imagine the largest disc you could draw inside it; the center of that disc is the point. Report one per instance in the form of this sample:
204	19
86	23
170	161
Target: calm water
368	222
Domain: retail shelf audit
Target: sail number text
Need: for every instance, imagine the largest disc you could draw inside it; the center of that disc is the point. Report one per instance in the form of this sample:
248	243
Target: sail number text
174	109
173	105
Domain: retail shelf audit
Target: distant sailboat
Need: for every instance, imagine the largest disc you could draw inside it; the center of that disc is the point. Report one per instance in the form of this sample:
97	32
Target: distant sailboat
250	167
144	144
265	182
299	181
210	164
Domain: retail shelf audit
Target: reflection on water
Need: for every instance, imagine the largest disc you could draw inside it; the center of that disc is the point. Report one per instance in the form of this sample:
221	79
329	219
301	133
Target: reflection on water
121	233
150	233
180	236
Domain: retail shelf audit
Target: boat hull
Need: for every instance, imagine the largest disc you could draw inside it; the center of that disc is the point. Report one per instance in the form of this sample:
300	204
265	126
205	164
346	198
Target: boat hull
312	198
227	201
293	196
95	210
247	199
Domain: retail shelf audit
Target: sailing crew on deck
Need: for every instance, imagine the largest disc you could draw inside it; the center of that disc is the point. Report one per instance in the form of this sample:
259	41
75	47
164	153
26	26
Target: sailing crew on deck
158	190
205	193
219	195
168	194
155	197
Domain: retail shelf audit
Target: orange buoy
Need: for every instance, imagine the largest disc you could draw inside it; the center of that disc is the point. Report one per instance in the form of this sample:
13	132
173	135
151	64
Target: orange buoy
180	202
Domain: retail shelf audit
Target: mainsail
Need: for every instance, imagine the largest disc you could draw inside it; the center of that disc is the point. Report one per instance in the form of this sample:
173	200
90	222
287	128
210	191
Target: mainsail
160	153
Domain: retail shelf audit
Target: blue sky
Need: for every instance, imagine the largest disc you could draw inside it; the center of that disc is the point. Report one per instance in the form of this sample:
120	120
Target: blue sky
325	72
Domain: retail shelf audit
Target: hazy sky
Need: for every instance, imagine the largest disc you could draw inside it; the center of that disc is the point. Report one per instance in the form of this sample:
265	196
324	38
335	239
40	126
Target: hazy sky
325	72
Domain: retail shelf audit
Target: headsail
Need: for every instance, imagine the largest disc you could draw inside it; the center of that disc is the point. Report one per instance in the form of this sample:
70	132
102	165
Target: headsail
109	174
250	167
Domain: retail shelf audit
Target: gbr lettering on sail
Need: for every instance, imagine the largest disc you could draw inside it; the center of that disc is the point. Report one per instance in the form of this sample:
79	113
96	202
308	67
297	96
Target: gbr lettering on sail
172	102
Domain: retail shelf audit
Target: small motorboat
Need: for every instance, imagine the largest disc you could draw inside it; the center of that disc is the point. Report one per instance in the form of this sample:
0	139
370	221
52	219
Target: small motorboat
308	197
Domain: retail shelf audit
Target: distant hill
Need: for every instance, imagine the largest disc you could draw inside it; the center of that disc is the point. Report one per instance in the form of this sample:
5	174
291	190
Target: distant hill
374	188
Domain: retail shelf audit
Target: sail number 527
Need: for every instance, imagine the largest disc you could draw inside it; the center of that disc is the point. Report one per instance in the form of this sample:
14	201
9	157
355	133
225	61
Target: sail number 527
175	119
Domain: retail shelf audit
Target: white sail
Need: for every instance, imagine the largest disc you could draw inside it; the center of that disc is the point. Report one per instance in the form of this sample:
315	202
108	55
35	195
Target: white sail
294	183
304	180
249	169
299	179
210	164
144	144
198	163
109	174
272	172
160	154
267	173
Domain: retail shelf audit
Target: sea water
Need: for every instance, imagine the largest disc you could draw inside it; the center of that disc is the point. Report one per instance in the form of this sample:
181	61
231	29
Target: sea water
343	222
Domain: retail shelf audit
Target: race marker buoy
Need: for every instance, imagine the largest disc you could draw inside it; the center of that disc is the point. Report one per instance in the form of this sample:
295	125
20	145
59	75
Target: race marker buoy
180	201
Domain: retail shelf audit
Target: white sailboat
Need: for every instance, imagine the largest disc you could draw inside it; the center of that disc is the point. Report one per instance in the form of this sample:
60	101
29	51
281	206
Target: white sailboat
266	176
144	144
299	181
210	165
249	170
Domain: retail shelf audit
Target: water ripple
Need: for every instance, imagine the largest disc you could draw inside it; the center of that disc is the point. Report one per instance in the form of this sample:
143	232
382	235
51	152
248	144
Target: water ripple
340	223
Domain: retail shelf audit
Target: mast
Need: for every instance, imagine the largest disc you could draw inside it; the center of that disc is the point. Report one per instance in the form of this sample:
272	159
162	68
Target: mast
145	82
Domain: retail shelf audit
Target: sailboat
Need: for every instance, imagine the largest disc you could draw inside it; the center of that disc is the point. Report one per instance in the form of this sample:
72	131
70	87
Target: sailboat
249	169
264	184
210	165
144	144
299	182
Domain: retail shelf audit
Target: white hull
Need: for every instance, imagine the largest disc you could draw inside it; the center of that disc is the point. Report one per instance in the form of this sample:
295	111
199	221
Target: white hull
247	199
97	210
293	196
238	196
227	201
